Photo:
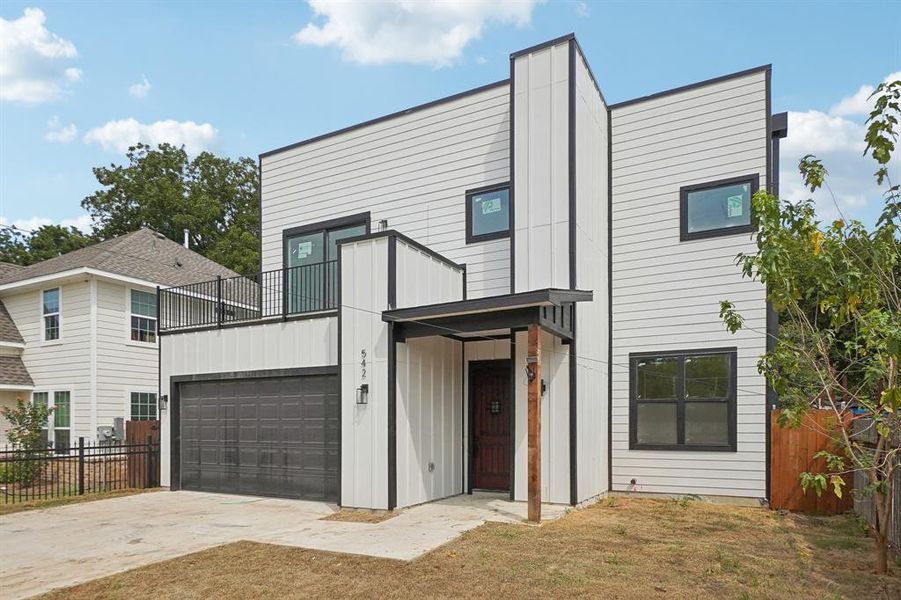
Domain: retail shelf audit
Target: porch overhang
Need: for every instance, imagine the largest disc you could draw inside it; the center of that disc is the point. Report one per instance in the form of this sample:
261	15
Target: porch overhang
550	308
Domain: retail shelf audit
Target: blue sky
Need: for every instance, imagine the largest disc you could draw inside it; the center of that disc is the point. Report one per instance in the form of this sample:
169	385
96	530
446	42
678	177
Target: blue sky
82	80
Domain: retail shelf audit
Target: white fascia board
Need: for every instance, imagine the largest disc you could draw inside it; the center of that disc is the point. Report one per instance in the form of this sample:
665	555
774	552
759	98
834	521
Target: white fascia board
6	387
74	273
17	345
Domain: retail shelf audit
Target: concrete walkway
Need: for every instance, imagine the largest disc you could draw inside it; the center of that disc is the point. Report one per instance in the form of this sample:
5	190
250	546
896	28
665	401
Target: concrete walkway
44	549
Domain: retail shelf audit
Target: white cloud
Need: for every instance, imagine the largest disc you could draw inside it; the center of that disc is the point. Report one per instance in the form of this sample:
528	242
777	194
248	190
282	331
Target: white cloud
835	138
81	222
56	132
403	31
32	60
582	9
119	135
139	90
859	102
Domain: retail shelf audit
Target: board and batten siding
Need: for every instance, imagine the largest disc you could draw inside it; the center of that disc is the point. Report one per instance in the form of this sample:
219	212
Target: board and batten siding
64	364
666	293
412	169
592	318
541	168
424	279
275	345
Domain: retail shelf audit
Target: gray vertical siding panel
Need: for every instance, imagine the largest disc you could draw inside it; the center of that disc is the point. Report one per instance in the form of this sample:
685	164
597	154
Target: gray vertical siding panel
666	293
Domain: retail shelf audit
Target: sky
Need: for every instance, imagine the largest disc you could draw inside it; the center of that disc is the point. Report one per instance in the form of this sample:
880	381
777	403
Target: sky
81	81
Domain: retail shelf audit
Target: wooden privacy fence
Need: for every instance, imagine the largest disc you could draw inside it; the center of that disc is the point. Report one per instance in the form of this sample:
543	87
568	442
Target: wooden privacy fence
792	453
143	467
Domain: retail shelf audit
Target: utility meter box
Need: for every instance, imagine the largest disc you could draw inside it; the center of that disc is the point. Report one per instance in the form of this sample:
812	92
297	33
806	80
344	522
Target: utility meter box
106	433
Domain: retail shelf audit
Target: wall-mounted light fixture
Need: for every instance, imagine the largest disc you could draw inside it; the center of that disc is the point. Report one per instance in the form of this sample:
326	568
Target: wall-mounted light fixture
363	394
164	402
383	224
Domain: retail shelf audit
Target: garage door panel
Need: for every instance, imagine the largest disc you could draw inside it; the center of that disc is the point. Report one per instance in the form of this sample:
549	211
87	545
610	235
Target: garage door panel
267	436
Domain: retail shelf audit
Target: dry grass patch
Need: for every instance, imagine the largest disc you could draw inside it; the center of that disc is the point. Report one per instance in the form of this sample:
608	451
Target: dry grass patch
8	509
360	515
623	548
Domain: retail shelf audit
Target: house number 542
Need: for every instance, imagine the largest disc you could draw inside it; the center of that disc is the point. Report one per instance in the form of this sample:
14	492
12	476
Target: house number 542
363	364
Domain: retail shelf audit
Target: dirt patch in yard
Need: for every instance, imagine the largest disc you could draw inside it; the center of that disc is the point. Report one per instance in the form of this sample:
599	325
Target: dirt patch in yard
361	515
621	548
7	509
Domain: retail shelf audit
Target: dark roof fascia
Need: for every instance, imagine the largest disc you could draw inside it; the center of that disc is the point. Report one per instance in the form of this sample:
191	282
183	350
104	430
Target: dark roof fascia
547	296
543	45
594	79
691	86
387	117
779	125
393	233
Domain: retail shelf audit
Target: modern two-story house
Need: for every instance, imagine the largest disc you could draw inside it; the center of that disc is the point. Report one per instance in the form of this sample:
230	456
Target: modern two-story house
514	288
78	332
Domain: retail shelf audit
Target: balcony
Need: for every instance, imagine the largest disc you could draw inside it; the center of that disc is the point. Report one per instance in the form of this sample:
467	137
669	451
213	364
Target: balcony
269	295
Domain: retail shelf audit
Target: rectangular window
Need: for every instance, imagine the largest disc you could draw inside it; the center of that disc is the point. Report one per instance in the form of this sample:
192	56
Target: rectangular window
58	426
143	317
683	400
487	213
717	208
143	406
311	261
50	311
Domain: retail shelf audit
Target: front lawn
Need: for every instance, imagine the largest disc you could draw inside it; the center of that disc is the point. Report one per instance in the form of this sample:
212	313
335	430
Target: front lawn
7	506
619	548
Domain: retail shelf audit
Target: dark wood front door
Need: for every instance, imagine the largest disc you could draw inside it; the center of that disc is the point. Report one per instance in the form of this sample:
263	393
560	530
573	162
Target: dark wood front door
490	406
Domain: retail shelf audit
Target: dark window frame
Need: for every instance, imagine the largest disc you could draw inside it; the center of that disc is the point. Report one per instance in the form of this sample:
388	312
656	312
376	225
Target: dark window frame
684	235
495	235
730	401
362	218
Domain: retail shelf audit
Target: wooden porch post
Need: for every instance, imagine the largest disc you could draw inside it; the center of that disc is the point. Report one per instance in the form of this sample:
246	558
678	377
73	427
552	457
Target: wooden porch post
533	362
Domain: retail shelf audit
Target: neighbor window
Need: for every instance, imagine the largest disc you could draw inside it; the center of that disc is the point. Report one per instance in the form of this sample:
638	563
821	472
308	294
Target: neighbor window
143	406
50	311
143	316
487	213
59	423
717	208
682	400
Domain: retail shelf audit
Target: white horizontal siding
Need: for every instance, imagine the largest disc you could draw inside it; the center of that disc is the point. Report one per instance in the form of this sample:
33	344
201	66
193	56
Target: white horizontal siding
666	293
413	170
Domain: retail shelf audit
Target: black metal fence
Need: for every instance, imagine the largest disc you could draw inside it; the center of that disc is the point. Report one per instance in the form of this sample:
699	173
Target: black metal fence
265	295
84	468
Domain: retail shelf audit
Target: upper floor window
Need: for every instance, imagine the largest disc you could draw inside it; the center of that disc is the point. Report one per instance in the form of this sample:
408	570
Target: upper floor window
683	400
50	311
487	213
717	208
143	316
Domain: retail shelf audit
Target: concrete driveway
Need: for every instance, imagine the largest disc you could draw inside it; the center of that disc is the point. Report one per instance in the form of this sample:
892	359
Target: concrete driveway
44	549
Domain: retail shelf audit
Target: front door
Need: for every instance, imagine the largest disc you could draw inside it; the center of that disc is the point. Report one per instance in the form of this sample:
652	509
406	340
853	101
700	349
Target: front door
490	410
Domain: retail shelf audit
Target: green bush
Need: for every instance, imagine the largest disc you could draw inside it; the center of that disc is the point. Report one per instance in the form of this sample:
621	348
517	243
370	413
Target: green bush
25	472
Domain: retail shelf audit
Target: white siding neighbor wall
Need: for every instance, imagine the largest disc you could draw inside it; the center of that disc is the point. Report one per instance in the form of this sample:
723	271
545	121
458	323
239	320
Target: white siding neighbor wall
64	364
412	169
666	293
554	420
541	168
277	345
592	319
364	427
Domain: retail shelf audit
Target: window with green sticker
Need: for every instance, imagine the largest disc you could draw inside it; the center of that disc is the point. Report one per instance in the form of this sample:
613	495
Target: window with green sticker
487	213
717	208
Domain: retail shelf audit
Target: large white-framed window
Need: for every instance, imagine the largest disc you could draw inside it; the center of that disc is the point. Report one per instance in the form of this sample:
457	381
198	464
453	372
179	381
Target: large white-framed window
143	406
51	322
143	317
57	430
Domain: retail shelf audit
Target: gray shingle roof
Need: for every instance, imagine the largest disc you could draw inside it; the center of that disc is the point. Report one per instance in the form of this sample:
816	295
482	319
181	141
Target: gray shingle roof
13	371
7	269
8	330
143	254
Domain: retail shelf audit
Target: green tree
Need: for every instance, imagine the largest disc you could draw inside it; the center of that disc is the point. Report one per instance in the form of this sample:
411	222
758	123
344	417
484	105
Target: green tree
838	291
26	423
23	248
216	199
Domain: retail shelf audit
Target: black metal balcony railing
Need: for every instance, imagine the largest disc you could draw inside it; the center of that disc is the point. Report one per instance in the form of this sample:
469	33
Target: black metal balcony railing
266	295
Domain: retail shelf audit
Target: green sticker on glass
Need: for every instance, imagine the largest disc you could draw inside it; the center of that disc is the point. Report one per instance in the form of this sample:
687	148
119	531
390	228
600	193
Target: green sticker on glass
734	206
491	205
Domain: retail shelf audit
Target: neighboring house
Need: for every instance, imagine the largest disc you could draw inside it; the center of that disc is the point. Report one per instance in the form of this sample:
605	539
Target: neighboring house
378	360
78	332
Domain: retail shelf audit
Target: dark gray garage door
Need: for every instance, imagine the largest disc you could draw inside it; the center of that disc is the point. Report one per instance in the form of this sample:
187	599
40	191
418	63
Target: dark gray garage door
274	436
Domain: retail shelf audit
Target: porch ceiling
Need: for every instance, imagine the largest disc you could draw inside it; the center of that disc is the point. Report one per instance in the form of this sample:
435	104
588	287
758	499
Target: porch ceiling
551	308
